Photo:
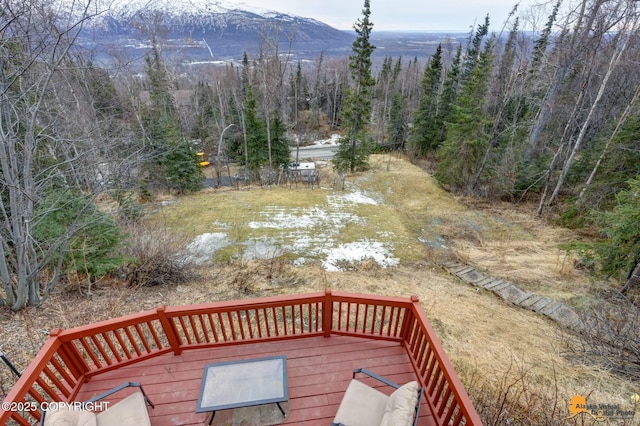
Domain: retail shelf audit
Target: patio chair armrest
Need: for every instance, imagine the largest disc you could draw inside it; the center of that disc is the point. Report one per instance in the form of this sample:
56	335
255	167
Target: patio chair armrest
375	376
420	393
119	388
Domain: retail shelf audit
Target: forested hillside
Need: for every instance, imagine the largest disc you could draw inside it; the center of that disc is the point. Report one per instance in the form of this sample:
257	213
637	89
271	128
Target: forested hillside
536	120
548	113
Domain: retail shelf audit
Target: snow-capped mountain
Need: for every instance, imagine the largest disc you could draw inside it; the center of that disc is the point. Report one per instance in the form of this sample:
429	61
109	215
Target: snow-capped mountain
205	29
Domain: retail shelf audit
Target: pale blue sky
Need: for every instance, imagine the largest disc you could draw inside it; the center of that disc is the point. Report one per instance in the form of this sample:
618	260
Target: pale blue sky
422	15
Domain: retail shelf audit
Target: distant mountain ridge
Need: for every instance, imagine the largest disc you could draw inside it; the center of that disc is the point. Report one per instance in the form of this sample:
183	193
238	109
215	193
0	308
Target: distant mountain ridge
211	30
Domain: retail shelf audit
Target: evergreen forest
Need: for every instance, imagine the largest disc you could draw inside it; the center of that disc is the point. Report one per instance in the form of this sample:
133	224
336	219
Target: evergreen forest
542	109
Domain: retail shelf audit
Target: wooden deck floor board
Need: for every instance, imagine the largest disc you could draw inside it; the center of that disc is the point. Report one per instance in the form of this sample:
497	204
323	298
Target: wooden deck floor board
319	370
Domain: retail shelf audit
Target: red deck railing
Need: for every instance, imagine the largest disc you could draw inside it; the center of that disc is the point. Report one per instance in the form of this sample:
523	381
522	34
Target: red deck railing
69	357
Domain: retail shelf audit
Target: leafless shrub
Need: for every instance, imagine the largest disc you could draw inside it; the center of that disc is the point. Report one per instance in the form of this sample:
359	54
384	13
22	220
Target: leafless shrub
510	399
158	258
518	398
610	337
244	282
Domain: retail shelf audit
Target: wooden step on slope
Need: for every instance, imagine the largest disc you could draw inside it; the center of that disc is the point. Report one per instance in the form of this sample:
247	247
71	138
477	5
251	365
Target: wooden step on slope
557	311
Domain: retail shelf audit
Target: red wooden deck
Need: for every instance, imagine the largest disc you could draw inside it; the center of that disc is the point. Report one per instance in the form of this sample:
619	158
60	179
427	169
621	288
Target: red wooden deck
324	336
319	370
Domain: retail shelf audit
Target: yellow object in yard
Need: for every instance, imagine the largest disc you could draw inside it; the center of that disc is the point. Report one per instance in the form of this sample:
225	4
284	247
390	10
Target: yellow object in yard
202	159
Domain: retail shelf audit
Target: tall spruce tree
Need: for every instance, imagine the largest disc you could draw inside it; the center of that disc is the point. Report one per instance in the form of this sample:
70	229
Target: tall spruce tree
352	153
619	253
502	105
398	122
474	49
427	121
257	153
449	94
167	149
468	132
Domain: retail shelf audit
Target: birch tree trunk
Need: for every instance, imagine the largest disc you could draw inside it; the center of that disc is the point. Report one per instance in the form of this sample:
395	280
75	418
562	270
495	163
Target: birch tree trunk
570	54
626	32
32	52
621	121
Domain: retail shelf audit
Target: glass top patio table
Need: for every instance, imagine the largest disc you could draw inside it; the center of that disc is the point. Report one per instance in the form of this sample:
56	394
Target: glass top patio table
243	383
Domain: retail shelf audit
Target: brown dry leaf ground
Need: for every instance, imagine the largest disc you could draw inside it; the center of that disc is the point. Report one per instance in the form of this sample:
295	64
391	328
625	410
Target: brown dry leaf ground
485	337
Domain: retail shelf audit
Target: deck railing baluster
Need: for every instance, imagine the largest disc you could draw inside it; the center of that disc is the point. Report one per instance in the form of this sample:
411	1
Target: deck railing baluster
194	329
437	375
98	345
399	320
445	400
345	326
250	318
55	380
257	313
459	417
154	334
36	395
122	344
142	338
453	407
239	325
72	358
422	348
383	320
421	343
62	371
45	387
293	319
440	401
185	332
285	320
314	317
132	341
232	329
274	322
212	327
89	352
112	348
302	328
425	361
223	329
431	370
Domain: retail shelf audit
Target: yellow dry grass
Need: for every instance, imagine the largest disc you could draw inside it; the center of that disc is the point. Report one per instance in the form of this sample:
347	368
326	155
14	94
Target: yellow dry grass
484	336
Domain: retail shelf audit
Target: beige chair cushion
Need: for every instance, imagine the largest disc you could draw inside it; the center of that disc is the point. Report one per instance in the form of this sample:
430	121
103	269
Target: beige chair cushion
361	405
131	411
401	405
66	417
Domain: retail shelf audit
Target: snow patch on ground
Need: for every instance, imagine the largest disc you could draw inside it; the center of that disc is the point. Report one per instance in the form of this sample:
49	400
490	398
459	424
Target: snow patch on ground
281	218
356	197
358	251
204	246
333	140
310	233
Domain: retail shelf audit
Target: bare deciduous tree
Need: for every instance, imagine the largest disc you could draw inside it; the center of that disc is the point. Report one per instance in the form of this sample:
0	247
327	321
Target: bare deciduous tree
35	157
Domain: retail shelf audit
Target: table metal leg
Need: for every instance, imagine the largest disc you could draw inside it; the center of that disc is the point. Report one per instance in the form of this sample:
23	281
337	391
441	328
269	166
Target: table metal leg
281	410
213	414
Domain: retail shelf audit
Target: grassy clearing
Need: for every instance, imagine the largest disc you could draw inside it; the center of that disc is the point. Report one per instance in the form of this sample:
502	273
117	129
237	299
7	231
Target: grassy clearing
284	216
